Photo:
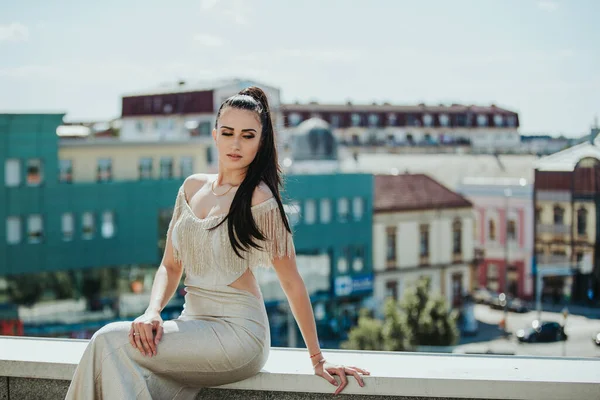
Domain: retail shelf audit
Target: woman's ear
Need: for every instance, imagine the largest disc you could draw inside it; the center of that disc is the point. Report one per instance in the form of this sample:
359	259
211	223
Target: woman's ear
214	135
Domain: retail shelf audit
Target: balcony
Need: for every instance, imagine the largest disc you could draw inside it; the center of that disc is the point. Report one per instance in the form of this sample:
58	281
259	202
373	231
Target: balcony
553	259
555	229
32	368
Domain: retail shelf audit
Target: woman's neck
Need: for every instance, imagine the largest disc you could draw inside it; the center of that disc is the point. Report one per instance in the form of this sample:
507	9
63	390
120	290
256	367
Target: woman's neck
233	178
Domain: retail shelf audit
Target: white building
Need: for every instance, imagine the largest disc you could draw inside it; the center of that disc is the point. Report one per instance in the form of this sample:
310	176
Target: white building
183	110
421	228
483	129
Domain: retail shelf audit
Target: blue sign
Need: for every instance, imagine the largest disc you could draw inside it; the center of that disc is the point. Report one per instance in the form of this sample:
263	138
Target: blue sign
347	285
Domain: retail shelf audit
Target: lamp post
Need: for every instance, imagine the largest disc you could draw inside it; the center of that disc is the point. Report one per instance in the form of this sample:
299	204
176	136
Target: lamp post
507	194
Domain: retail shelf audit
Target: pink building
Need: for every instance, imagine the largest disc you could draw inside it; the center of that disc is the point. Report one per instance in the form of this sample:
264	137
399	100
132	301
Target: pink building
503	232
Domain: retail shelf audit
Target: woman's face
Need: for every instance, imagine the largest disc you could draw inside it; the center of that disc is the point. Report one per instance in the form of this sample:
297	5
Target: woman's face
237	138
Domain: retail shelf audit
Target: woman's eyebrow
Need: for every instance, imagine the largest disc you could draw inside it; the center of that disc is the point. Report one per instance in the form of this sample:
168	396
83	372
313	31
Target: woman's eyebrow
243	130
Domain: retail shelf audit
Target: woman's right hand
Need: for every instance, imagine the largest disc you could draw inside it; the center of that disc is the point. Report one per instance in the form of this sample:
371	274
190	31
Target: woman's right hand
141	335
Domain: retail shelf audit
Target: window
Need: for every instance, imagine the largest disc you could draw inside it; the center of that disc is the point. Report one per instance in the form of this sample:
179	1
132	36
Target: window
492	277
187	166
391	289
12	172
492	229
145	168
373	120
498	120
292	211
342	262
457	237
559	214
166	167
310	212
325	213
390	244
104	173
357	208
88	225
209	155
355	119
108	224
427	120
511	121
412	120
34	172
68	226
511	230
444	119
35	228
482	120
424	241
295	119
139	125
13	230
357	262
538	214
342	209
582	221
392	119
335	121
65	171
205	128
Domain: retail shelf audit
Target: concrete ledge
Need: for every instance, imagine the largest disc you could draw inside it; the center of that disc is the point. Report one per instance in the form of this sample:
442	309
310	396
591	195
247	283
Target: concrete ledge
34	367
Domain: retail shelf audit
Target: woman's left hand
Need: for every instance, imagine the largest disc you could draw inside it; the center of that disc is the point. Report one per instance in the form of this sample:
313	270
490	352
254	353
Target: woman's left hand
326	370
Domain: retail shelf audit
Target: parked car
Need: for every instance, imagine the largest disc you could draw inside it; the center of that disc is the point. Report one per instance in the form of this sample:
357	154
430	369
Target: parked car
596	339
545	331
517	305
483	295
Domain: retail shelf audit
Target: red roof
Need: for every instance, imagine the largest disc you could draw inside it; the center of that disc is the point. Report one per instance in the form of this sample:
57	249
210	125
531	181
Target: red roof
408	192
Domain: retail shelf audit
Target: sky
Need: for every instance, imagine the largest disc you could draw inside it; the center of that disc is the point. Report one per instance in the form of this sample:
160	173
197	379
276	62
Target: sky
540	58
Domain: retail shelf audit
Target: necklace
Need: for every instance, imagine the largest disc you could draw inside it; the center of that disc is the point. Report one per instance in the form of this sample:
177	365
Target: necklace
212	189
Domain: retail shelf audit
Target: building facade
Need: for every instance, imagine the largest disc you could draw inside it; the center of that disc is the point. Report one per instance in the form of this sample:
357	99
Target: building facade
566	203
483	129
421	228
503	232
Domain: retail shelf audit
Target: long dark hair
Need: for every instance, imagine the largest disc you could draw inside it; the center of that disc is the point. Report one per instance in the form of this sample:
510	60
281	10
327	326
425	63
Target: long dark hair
242	229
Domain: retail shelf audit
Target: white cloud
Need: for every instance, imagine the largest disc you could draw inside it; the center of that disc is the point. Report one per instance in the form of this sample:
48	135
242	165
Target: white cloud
14	32
547	5
208	4
235	11
209	40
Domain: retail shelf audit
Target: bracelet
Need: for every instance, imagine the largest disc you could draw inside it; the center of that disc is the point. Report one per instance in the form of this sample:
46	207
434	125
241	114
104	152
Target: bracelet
314	355
321	361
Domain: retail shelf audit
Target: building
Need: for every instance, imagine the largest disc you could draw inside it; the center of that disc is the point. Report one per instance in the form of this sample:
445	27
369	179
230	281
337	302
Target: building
183	110
421	228
482	129
503	232
566	201
87	205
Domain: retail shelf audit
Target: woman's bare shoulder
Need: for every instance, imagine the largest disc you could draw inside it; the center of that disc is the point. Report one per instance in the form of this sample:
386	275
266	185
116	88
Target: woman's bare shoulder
193	183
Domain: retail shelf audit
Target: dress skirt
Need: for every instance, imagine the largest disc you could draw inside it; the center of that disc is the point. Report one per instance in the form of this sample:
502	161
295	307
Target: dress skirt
222	336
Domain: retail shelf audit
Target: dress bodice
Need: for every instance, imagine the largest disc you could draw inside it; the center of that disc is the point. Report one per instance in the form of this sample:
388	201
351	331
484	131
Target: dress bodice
207	255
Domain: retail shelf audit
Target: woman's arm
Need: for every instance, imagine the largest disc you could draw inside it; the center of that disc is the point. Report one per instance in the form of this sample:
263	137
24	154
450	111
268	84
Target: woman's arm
297	295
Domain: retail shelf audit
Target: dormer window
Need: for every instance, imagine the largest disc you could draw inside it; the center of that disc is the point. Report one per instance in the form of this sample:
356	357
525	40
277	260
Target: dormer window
482	120
427	120
444	119
498	120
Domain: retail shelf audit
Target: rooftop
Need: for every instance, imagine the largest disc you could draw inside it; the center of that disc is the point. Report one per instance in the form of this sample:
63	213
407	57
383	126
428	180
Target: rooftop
419	108
42	368
414	192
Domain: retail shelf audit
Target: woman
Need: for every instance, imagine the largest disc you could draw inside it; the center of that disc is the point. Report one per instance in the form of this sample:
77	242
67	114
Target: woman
223	226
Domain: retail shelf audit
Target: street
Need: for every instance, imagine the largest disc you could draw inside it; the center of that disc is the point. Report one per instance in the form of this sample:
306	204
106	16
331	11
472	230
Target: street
489	339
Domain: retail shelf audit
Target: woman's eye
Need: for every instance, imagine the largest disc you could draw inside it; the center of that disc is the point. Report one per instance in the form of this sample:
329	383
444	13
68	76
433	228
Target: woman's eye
249	137
227	134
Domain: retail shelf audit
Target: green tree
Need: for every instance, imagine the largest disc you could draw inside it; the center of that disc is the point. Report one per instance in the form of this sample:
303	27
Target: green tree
25	290
367	335
396	336
429	320
419	319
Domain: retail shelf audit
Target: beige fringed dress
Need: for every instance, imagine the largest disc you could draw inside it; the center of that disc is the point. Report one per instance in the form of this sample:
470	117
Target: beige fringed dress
222	335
